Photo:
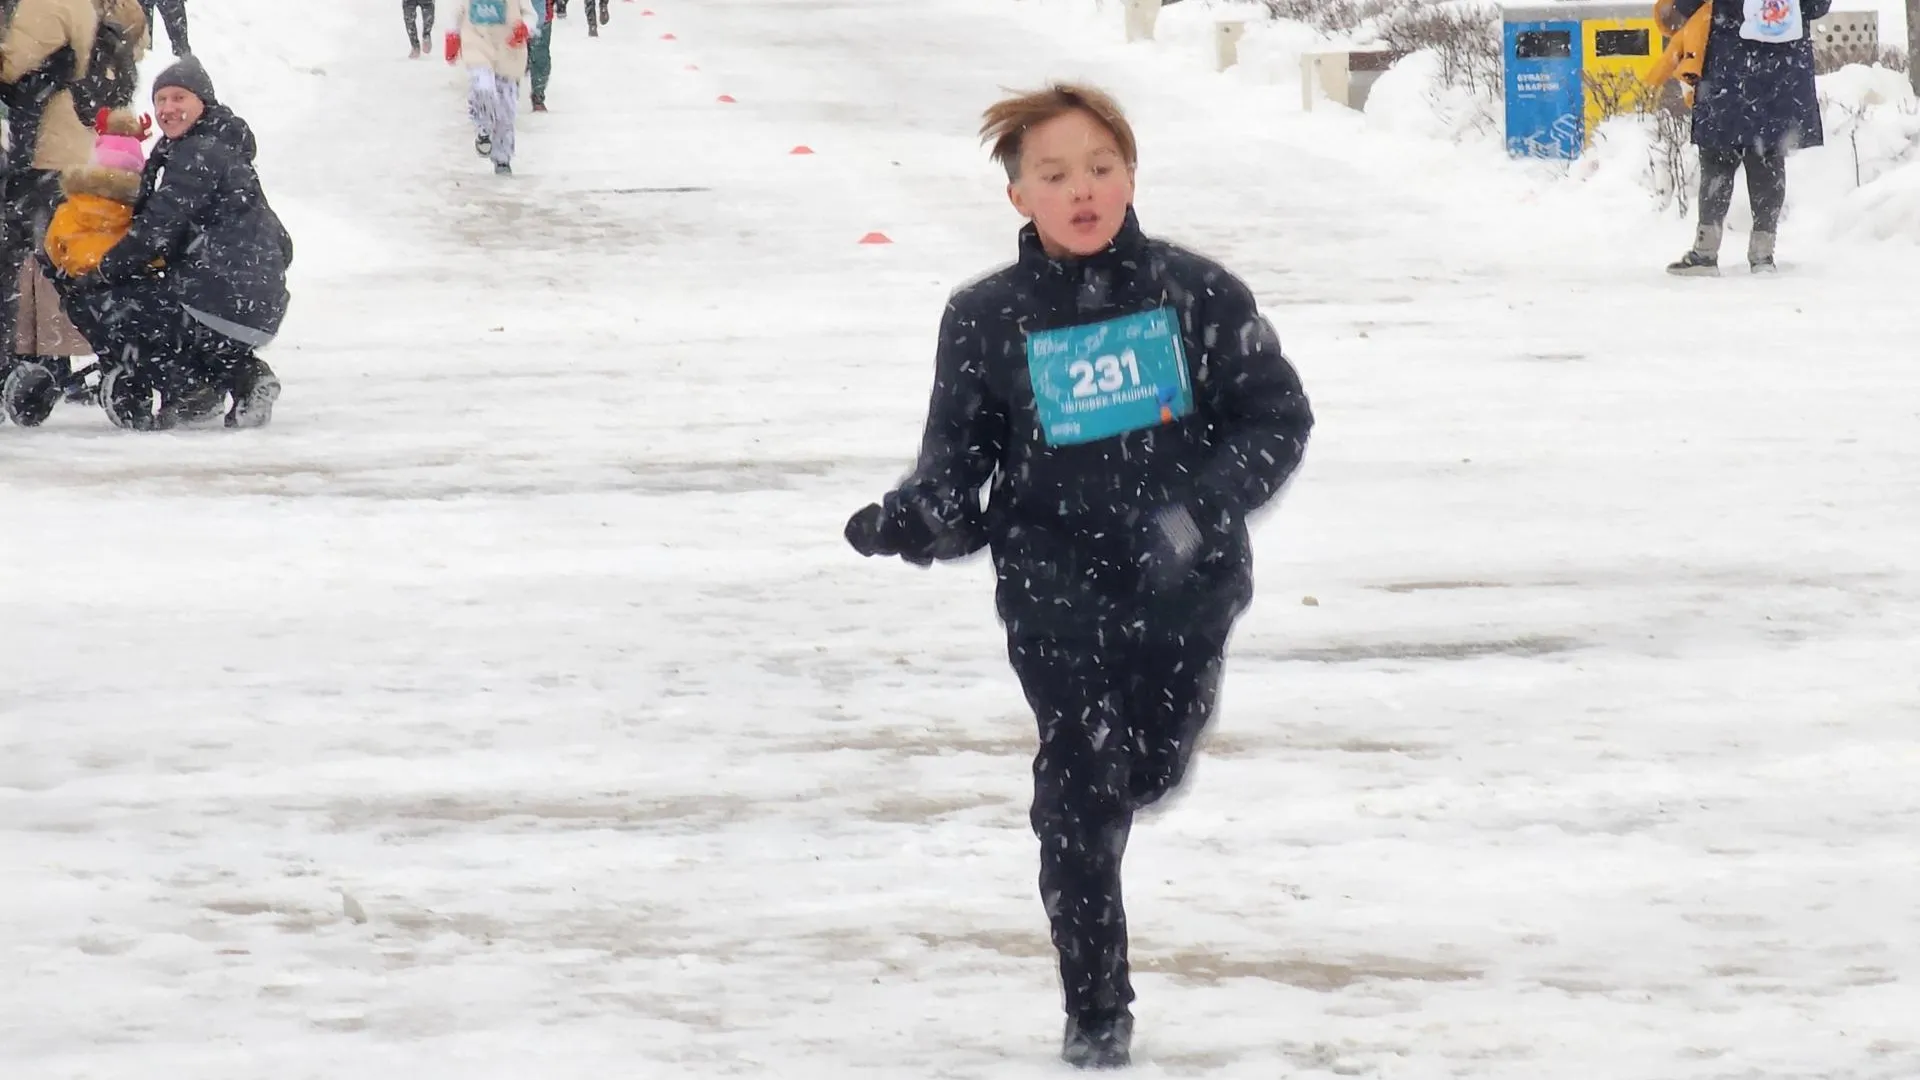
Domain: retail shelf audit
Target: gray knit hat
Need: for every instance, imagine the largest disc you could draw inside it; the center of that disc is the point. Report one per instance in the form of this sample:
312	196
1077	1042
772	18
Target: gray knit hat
188	75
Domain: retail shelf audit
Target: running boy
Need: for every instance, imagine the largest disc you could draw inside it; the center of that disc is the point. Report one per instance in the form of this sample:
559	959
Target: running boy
490	37
1128	408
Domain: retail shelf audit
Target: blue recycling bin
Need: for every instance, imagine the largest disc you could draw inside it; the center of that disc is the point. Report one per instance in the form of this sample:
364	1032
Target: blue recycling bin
1546	98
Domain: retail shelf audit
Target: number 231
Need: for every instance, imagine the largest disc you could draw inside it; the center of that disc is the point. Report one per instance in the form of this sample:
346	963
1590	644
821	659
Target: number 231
1105	374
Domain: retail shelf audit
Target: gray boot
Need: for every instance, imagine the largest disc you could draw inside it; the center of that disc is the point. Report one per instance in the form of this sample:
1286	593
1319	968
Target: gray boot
1760	253
1704	259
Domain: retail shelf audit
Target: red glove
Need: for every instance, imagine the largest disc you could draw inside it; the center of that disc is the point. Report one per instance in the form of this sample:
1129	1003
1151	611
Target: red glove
519	36
453	47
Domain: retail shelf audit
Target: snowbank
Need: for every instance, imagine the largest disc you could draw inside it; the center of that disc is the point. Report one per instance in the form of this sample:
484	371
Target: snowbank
1859	186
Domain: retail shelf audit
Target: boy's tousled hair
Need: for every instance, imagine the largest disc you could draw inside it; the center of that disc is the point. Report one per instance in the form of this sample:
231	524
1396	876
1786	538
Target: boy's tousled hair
1005	123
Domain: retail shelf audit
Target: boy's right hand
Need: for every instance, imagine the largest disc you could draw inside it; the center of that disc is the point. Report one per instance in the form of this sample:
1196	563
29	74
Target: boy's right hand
453	47
872	531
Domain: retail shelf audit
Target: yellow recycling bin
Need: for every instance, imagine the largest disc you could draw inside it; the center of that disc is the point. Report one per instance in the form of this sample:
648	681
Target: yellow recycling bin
1620	44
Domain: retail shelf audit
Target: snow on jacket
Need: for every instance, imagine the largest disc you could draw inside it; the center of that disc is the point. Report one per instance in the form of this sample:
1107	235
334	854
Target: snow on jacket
40	29
1062	511
484	27
202	210
1755	94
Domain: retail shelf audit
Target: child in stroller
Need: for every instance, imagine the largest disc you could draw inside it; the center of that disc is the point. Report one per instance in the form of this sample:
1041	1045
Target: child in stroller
98	210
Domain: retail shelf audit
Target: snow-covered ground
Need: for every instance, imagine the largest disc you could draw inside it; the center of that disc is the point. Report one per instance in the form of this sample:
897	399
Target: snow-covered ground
528	625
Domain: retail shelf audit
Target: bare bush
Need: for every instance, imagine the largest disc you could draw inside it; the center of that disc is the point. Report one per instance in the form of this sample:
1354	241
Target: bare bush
1467	41
1331	16
1669	165
1892	57
1662	113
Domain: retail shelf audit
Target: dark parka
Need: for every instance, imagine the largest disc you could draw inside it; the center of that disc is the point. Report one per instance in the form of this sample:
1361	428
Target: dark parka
202	211
1065	522
1755	95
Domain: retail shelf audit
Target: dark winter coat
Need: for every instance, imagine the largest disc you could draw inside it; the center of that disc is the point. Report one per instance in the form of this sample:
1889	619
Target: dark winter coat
1065	522
1755	95
202	211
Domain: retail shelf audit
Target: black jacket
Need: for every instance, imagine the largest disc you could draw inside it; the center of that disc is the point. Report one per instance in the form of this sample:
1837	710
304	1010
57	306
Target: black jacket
1066	521
202	211
1755	95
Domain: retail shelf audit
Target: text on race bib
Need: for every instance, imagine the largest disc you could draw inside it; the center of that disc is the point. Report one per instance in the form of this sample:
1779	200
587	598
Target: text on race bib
1109	378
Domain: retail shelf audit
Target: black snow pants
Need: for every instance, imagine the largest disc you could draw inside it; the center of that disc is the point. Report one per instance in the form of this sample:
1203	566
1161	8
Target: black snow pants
175	14
1766	185
1118	720
597	12
141	325
420	36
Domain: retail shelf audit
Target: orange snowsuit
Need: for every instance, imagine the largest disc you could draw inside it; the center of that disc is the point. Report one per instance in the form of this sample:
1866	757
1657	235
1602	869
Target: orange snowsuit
84	228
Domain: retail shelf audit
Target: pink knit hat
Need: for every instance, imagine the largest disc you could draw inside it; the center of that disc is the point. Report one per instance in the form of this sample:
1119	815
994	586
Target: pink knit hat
117	146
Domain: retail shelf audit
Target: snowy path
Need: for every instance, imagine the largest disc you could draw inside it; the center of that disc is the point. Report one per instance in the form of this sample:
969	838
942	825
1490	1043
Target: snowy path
528	623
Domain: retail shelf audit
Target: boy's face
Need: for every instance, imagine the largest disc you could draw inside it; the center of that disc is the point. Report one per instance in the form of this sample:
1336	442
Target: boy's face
1073	184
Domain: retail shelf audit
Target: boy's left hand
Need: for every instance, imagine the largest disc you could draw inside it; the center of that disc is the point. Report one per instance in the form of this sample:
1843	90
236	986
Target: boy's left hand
519	36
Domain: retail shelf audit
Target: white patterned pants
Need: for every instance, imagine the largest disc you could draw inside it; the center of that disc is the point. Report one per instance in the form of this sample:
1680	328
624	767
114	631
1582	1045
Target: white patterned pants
493	101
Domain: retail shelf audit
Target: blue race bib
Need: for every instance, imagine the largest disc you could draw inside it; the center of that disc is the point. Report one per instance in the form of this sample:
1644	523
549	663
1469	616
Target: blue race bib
487	12
1109	378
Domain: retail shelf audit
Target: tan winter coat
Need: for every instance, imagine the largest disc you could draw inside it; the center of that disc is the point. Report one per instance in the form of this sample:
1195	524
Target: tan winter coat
485	46
40	29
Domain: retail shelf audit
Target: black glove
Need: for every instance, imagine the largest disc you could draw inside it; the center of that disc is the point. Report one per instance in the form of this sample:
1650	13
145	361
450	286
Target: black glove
873	531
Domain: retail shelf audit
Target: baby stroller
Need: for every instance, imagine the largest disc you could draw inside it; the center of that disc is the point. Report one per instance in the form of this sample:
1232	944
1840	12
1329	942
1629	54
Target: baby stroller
33	387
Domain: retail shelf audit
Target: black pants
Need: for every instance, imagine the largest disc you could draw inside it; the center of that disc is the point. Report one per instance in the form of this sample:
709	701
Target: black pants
1118	722
424	32
1766	185
140	325
596	12
175	14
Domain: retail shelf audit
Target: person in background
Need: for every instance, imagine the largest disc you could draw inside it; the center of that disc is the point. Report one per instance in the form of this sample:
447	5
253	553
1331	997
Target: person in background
1755	104
490	37
175	14
540	53
598	14
418	15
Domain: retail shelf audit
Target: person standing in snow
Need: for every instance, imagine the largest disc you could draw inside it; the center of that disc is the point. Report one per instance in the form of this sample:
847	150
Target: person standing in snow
46	50
1755	104
598	14
540	53
491	37
190	333
175	14
1128	409
422	10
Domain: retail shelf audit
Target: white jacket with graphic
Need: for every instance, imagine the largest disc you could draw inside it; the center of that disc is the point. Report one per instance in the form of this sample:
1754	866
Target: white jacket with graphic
484	27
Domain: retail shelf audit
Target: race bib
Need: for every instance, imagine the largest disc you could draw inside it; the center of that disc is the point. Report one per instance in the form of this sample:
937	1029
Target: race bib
1109	378
487	12
1772	20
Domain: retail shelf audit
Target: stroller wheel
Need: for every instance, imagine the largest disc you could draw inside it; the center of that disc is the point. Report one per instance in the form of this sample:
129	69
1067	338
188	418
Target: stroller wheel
29	394
127	399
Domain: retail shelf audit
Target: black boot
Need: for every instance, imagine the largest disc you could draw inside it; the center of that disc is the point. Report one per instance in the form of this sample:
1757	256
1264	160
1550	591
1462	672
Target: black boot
255	389
1098	1042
